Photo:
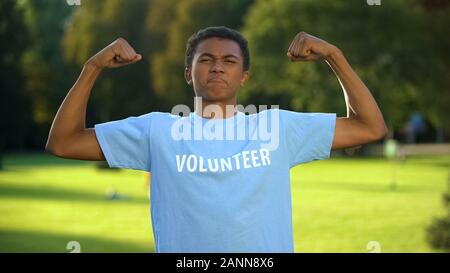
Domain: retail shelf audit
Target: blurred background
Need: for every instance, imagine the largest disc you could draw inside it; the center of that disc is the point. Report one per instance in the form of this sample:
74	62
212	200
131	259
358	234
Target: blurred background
390	196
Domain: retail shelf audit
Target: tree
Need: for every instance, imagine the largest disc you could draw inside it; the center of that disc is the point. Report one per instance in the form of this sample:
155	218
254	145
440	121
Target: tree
187	17
118	92
14	102
436	79
387	45
46	74
438	233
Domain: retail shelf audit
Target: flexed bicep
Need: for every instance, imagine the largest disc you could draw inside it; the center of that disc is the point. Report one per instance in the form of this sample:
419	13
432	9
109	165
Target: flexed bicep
83	146
350	132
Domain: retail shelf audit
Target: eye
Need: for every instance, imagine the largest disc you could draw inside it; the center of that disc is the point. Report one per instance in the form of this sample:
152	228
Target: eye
230	61
205	60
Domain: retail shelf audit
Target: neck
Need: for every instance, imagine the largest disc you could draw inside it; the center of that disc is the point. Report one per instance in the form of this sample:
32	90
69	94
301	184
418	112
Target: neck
215	109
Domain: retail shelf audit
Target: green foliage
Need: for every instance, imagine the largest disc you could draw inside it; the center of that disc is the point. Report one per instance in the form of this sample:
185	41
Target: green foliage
189	17
438	233
121	92
46	75
434	77
15	123
389	46
399	49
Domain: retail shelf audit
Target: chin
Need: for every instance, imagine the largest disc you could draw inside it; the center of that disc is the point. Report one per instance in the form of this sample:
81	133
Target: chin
217	95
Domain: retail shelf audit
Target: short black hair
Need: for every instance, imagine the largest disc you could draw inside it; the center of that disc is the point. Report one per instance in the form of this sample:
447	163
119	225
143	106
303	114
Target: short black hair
216	32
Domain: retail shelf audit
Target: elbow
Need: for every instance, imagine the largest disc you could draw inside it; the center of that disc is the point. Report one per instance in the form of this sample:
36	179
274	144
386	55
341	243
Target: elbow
384	131
53	149
50	148
380	133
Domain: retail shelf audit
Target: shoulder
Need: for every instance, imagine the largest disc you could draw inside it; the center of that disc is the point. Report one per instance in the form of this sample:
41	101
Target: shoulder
158	116
305	115
305	120
166	119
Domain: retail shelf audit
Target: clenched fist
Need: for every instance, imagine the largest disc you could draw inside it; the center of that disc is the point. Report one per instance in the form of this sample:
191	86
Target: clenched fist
306	47
116	54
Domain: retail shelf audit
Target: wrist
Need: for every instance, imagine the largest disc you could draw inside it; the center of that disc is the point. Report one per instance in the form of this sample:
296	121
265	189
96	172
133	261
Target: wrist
90	65
333	54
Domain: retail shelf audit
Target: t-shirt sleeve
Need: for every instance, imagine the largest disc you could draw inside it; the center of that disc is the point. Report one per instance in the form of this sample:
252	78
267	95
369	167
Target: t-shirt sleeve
126	143
308	136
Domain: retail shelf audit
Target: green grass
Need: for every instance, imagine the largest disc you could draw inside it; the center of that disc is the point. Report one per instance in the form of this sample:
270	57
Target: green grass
45	205
342	204
339	205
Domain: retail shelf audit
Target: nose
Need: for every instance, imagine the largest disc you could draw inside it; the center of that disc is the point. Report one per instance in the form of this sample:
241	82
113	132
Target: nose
216	67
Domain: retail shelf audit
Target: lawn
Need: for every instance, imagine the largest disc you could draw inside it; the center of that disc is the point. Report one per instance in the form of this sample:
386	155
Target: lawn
339	205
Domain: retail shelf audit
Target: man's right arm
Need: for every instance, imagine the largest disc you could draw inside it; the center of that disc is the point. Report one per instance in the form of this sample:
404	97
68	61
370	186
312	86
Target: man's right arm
69	137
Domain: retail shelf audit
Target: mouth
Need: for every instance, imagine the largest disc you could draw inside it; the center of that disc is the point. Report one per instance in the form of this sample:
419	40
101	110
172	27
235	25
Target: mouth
216	80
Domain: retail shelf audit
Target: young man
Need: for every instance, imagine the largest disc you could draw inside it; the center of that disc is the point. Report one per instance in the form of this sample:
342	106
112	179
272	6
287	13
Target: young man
212	190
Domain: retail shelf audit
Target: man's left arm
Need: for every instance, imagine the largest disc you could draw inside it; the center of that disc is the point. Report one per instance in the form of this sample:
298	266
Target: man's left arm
364	122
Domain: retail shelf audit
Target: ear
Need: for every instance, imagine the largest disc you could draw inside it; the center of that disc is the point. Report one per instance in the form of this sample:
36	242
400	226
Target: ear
245	77
187	75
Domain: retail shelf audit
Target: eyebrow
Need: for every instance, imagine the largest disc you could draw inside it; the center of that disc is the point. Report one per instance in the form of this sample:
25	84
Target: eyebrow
212	56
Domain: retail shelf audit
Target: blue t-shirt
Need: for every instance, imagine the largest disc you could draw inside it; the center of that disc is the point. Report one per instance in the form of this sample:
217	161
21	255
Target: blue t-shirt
219	185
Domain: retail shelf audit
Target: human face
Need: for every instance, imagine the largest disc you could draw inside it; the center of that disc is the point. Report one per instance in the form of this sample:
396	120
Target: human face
217	70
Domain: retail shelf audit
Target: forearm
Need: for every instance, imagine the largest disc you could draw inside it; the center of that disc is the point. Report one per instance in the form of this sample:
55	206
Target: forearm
360	103
71	116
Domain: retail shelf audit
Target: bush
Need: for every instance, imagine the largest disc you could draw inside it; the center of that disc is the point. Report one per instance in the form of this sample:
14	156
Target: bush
438	233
